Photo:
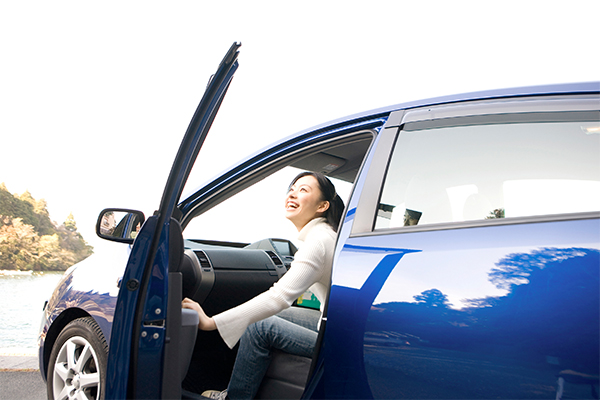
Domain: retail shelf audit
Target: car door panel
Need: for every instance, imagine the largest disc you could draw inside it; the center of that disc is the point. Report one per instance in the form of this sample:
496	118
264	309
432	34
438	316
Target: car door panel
491	310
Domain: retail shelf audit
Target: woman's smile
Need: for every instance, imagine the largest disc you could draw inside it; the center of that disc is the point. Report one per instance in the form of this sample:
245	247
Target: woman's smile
291	205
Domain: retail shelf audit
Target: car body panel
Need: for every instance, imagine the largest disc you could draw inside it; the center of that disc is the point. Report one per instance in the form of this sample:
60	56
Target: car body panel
89	288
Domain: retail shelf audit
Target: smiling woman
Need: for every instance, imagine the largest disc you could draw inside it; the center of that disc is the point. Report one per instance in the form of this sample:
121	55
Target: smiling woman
266	323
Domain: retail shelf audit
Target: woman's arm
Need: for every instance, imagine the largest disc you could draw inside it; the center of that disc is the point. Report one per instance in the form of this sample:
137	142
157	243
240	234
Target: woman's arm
307	268
206	323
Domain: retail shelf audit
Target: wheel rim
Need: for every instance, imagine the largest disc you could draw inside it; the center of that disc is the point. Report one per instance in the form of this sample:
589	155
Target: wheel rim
76	373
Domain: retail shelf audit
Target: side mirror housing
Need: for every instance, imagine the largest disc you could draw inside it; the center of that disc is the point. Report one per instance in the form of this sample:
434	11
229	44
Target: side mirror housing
119	224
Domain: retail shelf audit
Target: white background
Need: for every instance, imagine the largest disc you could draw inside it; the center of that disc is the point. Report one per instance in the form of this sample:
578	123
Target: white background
95	96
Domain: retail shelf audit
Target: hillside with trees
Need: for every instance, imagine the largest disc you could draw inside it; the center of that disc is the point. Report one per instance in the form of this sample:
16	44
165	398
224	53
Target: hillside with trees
30	241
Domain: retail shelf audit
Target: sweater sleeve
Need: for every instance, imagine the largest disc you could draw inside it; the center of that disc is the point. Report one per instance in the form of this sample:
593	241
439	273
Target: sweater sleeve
307	268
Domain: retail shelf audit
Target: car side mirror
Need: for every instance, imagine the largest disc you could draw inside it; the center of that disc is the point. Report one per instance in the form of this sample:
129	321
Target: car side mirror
119	224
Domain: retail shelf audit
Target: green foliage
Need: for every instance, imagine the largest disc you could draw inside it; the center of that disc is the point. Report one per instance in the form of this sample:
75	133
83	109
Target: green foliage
30	241
497	213
70	223
18	244
32	212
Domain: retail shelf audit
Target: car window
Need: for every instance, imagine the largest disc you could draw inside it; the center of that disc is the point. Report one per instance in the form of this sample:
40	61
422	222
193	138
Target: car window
478	172
254	214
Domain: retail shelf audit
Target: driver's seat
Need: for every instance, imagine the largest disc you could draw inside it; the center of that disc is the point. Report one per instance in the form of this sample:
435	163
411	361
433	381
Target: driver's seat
285	378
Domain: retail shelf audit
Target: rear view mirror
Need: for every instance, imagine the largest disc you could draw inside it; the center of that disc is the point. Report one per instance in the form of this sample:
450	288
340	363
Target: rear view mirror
119	225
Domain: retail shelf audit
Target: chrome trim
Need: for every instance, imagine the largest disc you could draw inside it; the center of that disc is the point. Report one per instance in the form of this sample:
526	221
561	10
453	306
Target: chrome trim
506	106
481	223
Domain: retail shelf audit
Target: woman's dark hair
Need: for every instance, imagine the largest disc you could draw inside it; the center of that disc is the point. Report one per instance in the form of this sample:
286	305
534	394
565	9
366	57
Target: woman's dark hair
333	215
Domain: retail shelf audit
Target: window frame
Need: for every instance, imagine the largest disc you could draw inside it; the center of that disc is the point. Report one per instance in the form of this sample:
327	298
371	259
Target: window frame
274	162
496	111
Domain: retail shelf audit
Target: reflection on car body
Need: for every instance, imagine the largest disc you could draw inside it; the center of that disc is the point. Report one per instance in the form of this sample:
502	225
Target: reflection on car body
466	264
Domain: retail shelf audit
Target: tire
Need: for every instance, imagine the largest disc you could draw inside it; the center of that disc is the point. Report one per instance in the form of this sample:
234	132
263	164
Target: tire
77	368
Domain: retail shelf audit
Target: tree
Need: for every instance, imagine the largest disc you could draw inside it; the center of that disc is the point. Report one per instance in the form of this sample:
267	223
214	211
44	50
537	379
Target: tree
70	223
18	244
31	211
49	254
497	213
30	241
515	269
73	242
432	298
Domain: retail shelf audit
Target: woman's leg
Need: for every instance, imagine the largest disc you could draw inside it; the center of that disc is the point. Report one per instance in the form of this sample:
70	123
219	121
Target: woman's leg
306	317
254	354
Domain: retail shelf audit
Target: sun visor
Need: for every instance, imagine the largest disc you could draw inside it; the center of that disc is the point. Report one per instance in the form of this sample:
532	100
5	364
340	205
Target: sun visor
320	162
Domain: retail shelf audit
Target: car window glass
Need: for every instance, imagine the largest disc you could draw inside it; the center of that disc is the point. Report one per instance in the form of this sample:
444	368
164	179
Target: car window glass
254	214
464	173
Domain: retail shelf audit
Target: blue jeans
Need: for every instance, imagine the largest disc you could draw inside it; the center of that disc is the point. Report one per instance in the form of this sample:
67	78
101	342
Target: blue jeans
293	330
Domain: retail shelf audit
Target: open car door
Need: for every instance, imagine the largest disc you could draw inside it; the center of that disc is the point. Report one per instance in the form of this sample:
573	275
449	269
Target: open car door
145	332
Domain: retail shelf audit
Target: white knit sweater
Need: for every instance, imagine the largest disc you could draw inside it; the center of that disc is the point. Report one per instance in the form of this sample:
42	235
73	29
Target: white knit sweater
311	268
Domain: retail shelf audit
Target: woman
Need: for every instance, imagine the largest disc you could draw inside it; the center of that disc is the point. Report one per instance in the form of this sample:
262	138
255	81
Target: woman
313	206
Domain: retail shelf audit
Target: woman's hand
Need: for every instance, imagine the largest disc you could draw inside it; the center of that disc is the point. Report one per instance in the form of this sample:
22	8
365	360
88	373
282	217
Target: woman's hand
206	323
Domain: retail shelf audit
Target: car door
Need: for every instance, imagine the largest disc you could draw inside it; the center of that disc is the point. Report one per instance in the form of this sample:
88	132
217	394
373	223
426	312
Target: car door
468	268
137	365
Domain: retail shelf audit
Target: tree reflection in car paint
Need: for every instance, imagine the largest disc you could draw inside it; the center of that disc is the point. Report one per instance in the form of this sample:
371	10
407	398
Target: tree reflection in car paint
510	343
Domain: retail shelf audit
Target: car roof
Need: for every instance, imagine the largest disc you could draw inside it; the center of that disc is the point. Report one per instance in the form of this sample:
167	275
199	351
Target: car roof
545	90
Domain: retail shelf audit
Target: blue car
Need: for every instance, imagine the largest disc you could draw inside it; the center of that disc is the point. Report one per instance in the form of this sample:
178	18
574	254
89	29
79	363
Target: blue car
466	264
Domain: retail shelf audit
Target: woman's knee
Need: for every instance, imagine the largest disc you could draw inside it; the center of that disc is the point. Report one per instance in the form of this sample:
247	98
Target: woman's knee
260	332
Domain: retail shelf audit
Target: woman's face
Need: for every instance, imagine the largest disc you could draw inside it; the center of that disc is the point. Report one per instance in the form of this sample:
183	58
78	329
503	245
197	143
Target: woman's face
303	201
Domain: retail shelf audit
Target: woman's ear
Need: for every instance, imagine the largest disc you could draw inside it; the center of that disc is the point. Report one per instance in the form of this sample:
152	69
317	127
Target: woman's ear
323	207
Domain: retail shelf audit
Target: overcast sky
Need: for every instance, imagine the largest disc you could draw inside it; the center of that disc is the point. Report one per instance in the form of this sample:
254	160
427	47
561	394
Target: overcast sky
96	96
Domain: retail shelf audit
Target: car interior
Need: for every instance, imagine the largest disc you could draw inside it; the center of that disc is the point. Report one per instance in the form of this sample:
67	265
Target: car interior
221	274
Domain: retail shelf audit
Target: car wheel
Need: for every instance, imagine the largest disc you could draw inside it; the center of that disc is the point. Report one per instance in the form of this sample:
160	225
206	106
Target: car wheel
77	365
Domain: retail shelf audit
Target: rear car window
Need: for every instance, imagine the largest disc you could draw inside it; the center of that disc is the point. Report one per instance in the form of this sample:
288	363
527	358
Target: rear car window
490	171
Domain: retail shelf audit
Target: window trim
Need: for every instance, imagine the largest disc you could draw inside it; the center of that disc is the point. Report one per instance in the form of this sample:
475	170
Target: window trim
505	119
482	223
549	105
